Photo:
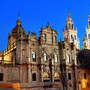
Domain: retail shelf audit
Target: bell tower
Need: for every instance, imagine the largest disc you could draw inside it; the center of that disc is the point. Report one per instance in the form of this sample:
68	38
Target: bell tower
70	32
88	33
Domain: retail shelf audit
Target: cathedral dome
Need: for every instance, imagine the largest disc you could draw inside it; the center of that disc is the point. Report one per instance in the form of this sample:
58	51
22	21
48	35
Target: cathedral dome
18	29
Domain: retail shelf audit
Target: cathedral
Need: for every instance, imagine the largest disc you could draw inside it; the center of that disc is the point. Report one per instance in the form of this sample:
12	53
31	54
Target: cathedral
44	63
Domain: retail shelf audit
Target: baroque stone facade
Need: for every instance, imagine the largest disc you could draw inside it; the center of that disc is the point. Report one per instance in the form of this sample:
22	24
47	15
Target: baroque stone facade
43	63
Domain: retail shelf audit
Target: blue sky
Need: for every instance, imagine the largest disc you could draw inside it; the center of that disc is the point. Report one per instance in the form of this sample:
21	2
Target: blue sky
34	13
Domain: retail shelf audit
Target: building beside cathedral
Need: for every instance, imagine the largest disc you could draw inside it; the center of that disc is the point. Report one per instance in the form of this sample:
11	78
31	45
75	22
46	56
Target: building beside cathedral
43	63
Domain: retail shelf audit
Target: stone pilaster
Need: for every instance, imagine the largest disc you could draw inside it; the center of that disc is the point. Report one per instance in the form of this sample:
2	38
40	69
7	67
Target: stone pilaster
53	70
21	71
21	49
2	57
76	78
66	78
29	74
42	73
52	73
29	66
29	48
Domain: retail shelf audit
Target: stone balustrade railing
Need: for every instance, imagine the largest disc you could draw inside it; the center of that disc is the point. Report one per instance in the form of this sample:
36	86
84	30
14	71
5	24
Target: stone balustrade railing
10	48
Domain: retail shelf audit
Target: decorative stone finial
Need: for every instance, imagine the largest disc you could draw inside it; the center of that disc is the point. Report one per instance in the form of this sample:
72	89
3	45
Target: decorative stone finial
19	15
68	12
60	39
29	32
19	21
48	23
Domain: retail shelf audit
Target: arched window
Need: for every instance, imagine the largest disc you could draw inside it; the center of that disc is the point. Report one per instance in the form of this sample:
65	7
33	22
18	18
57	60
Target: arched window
57	75
1	76
56	58
71	37
34	56
68	58
72	26
45	57
55	39
69	76
45	75
34	77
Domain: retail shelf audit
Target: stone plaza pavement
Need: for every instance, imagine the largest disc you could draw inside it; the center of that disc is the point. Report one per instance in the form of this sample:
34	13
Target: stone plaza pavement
3	88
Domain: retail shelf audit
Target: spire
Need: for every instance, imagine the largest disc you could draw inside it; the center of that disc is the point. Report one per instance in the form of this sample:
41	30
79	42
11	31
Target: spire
89	17
69	19
68	13
69	22
19	15
89	12
19	21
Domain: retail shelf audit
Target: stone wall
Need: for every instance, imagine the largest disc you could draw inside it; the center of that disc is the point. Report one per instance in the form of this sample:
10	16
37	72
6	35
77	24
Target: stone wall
10	73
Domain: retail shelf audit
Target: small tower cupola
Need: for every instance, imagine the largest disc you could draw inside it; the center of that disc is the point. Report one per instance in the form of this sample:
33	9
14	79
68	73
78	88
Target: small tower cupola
69	22
19	21
16	31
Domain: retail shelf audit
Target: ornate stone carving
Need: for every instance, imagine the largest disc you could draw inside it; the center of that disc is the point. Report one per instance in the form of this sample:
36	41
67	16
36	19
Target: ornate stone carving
55	50
44	49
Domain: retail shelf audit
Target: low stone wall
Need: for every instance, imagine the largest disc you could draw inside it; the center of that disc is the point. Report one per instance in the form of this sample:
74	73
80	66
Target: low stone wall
33	86
41	86
11	85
